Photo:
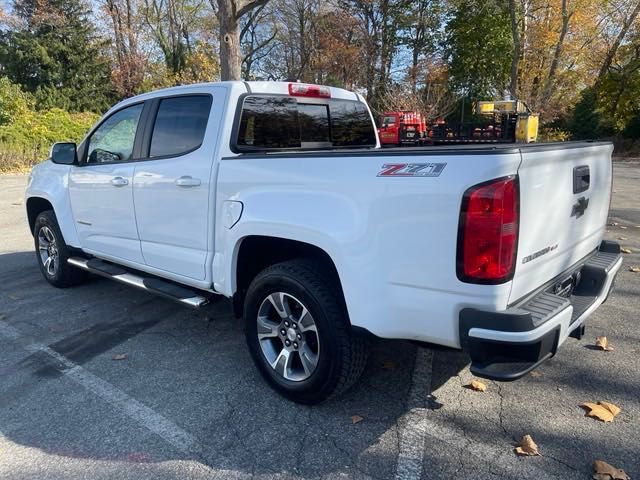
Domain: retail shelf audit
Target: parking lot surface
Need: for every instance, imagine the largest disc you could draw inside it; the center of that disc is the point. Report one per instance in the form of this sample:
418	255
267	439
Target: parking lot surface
184	400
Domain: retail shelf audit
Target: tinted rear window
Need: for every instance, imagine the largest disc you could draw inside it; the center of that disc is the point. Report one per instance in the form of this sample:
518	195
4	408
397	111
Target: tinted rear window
281	122
180	125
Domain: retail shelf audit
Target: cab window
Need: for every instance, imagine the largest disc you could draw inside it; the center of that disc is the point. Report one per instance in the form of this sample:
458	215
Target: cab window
269	123
113	140
180	125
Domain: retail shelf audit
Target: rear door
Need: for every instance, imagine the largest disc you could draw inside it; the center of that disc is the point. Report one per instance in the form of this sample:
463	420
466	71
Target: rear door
564	203
173	187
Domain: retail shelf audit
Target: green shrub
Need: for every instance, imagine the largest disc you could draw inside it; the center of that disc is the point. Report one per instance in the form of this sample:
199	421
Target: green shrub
26	135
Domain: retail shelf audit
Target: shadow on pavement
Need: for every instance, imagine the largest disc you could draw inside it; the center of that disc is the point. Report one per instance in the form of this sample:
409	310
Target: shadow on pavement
194	371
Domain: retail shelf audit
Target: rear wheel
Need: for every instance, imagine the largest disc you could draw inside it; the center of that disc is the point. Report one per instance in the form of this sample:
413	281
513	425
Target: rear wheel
298	332
52	253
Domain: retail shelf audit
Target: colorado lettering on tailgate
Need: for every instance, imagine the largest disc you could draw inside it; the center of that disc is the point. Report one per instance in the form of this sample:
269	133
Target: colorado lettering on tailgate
412	169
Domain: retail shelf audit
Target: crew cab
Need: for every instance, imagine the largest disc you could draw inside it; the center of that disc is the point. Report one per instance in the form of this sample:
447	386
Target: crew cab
278	197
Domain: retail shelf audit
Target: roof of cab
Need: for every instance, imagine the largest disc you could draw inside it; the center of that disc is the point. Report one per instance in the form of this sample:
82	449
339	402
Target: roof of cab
281	88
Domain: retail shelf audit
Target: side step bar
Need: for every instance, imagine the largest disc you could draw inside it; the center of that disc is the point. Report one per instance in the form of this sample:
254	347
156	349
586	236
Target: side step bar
154	285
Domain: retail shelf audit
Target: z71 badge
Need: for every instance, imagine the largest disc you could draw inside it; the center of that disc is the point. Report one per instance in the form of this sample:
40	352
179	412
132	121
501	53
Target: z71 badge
412	169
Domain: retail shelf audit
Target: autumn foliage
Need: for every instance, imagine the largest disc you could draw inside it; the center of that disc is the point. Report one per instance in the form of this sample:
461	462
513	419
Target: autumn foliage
577	62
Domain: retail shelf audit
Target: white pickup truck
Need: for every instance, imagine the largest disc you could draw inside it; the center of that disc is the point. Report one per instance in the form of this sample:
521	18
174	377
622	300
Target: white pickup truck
277	196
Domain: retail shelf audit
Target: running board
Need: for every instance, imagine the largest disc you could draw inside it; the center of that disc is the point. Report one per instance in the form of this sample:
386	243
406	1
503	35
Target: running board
151	284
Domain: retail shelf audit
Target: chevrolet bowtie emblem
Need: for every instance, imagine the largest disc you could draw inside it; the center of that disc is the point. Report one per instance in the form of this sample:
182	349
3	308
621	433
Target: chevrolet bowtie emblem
580	207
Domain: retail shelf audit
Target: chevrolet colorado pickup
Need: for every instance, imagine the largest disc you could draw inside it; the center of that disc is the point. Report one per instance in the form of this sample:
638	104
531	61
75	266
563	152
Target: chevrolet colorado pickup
277	196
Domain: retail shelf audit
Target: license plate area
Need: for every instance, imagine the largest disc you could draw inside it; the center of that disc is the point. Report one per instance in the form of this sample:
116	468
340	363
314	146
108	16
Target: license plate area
565	287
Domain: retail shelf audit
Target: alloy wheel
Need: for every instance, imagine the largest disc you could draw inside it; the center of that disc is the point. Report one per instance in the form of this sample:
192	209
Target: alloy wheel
288	336
48	250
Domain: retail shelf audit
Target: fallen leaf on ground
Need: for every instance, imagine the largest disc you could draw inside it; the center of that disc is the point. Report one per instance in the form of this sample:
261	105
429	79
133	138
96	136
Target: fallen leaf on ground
535	373
527	447
603	471
120	356
604	411
477	386
634	269
388	365
626	250
623	227
603	344
623	238
356	419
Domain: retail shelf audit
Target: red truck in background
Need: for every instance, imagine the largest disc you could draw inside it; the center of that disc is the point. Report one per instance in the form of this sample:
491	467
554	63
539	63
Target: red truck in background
401	128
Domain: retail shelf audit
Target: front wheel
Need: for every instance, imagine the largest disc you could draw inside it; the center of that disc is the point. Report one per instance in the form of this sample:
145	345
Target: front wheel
52	253
298	333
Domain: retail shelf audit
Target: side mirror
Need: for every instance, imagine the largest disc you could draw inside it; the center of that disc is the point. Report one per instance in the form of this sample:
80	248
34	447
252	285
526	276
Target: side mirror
64	153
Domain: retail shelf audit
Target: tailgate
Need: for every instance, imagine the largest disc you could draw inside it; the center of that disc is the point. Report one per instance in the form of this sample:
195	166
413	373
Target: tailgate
564	203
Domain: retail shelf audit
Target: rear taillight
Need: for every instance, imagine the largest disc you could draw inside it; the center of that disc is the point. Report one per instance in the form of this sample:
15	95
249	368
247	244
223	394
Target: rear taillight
488	232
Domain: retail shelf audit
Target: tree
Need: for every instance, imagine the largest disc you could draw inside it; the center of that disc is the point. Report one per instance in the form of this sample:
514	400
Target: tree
379	22
566	13
130	64
519	13
619	90
626	23
586	120
256	38
229	13
478	47
173	25
56	54
421	33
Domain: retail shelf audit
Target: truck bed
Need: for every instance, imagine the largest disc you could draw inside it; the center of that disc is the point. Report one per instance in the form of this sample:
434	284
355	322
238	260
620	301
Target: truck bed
467	149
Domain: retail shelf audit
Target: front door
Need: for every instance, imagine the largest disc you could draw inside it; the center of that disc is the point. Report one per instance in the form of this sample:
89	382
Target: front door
101	188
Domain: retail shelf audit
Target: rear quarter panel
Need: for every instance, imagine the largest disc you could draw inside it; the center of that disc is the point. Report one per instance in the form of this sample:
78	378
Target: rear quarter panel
392	239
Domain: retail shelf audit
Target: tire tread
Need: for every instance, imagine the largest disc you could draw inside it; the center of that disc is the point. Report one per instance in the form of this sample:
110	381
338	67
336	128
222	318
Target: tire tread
322	282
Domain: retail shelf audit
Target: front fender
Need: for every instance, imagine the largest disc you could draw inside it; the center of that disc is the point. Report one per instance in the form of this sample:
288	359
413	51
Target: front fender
50	182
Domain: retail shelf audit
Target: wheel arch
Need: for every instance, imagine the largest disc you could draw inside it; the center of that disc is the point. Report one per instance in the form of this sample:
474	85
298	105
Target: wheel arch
35	206
257	252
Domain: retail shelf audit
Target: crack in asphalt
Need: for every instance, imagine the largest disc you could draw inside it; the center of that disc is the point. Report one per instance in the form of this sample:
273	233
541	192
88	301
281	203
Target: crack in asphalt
501	412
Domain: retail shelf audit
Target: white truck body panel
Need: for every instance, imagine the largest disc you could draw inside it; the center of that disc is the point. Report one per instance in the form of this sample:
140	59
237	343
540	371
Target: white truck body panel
51	183
547	220
181	189
393	240
104	214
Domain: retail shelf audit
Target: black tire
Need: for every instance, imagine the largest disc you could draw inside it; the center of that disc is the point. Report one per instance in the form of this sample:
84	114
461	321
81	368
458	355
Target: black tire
342	355
61	274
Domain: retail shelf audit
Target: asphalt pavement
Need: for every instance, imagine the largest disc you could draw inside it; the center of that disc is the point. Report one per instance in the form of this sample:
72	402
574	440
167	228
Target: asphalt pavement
186	402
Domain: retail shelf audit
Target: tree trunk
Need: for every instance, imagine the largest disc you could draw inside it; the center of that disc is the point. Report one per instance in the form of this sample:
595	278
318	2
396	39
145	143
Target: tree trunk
548	86
515	56
230	57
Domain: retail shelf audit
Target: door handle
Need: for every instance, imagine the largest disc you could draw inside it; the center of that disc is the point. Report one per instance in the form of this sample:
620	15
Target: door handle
119	182
188	181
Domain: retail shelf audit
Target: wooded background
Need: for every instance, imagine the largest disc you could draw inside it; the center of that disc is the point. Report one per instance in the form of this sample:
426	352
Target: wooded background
577	62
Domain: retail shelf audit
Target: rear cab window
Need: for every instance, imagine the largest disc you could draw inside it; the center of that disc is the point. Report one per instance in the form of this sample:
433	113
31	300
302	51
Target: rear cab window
269	122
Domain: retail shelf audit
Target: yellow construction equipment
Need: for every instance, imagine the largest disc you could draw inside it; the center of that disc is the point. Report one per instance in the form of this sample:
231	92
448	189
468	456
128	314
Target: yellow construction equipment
506	111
